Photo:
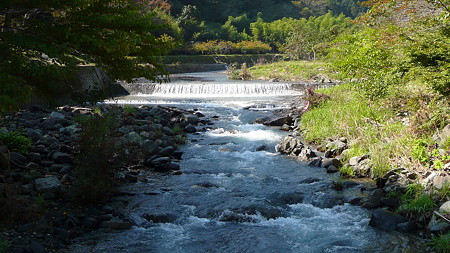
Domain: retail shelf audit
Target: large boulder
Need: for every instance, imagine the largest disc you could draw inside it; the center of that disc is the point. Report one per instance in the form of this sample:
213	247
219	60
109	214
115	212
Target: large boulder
386	220
47	184
373	200
62	158
279	121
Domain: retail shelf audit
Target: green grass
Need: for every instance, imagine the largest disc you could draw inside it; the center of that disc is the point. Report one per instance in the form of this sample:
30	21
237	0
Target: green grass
416	203
130	110
372	127
346	172
441	243
15	141
293	70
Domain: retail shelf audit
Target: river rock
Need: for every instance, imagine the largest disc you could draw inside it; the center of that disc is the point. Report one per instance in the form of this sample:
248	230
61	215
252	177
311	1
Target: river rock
285	127
327	162
36	247
118	225
279	121
266	211
332	169
443	135
306	154
325	200
35	157
62	158
171	166
199	114
168	131
289	198
262	148
386	220
89	222
34	134
190	129
56	115
373	200
18	158
167	151
390	202
191	119
160	217
70	130
315	162
150	147
445	208
440	180
310	180
439	227
288	144
396	180
133	138
47	141
47	184
407	227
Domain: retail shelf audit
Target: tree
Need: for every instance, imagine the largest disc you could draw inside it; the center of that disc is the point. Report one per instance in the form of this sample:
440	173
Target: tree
42	42
189	22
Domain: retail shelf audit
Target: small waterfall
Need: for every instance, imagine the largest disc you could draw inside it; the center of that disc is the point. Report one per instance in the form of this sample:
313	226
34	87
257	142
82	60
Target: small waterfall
216	89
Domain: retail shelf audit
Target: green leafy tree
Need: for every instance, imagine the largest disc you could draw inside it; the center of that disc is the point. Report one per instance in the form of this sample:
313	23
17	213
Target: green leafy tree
192	28
42	42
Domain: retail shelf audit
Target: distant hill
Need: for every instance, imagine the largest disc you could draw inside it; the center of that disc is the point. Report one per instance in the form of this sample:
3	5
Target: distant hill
217	11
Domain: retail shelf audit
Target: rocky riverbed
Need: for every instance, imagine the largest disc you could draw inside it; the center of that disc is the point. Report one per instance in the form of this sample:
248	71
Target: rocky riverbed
39	187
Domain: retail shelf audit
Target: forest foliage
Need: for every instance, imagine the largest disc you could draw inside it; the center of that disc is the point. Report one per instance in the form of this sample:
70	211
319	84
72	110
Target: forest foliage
42	42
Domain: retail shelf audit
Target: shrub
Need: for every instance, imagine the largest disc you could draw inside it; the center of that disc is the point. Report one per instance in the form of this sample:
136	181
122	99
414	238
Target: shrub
4	245
15	141
94	163
228	47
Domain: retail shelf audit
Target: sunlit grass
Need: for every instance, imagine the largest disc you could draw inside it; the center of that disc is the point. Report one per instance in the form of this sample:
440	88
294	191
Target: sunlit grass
293	70
372	127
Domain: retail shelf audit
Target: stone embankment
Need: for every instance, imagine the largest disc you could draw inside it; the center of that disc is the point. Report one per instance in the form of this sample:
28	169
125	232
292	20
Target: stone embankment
380	198
39	188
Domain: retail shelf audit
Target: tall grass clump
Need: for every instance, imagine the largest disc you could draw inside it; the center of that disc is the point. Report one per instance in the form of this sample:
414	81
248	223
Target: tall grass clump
97	146
441	243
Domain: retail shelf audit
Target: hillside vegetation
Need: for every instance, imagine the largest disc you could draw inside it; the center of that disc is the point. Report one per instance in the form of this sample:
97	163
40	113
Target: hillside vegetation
394	102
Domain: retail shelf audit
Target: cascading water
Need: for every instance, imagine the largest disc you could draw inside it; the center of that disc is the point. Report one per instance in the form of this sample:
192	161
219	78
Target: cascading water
221	89
237	195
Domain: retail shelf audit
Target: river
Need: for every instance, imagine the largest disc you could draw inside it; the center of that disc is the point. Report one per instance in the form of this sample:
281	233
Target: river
236	194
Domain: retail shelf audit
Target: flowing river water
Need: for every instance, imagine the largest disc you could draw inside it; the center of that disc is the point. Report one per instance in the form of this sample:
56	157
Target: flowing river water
236	194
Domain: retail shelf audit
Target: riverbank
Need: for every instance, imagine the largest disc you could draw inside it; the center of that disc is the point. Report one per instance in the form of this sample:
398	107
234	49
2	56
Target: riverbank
60	166
401	140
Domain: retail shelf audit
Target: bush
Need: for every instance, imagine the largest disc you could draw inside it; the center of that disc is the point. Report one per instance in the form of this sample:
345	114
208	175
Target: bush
228	47
94	162
15	141
4	245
